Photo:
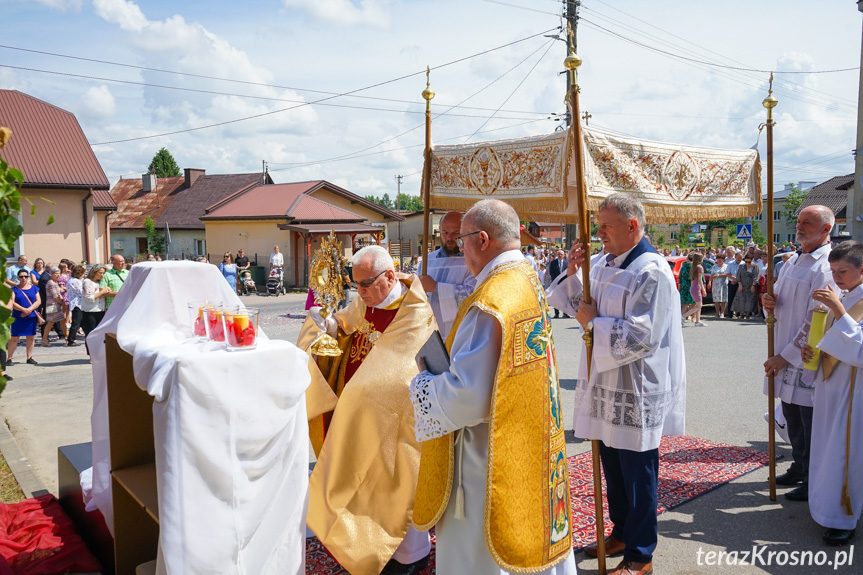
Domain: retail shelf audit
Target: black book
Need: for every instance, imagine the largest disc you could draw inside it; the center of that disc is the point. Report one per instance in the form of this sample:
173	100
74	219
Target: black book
434	354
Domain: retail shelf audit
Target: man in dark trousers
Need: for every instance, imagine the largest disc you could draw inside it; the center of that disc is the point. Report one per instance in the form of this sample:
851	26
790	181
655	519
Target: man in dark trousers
555	268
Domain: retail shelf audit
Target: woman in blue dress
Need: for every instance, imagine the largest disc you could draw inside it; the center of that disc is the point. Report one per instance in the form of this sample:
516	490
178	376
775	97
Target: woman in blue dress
229	270
26	302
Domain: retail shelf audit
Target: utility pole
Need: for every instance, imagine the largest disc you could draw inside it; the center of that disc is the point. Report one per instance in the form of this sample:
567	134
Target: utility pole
398	209
572	18
855	205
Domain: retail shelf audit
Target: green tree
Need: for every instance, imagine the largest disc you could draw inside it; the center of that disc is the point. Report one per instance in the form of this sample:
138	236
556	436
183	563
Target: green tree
384	201
757	236
155	239
409	203
792	203
10	230
164	165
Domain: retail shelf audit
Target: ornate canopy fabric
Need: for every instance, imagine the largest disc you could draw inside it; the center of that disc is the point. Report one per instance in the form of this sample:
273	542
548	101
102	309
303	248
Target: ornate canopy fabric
675	183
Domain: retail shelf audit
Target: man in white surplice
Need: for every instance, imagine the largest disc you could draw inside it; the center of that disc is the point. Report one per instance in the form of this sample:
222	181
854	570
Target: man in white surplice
462	398
636	390
836	465
792	302
448	282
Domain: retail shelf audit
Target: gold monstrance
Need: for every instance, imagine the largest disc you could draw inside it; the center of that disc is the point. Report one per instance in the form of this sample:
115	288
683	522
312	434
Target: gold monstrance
325	279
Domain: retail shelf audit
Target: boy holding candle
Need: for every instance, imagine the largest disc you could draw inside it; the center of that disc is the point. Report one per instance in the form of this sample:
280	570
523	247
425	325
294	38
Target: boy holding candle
836	460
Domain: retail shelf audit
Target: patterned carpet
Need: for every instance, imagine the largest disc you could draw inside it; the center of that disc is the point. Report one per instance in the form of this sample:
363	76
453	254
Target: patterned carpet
688	467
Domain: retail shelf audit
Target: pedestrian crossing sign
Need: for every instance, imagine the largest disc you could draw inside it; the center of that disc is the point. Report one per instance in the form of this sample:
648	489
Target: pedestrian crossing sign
744	231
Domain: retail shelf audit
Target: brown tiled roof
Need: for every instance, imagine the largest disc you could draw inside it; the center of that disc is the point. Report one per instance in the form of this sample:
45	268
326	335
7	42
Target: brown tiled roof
102	200
833	193
338	228
290	201
48	145
355	199
187	205
134	204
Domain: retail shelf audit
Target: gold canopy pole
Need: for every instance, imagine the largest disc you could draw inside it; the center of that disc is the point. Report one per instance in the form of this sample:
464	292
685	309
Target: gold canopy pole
428	94
571	63
770	103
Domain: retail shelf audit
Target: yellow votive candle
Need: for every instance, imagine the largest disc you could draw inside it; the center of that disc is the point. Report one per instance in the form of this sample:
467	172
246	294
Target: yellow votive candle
816	332
241	321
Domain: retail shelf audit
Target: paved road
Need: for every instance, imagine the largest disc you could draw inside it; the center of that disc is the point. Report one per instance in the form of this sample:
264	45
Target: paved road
49	405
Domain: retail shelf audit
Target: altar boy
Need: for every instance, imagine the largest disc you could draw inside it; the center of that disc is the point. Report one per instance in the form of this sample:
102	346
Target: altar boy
836	468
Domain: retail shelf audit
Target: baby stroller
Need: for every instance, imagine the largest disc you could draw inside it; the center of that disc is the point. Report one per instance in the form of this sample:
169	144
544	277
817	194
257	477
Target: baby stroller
275	284
247	284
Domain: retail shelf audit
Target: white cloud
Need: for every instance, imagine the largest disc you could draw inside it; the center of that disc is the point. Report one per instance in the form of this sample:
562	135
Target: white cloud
127	15
345	12
97	103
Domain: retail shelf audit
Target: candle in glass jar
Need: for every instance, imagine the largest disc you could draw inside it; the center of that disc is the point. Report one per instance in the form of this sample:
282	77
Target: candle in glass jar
816	332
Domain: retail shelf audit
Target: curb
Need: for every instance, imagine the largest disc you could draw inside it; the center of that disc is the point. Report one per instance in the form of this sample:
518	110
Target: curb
20	466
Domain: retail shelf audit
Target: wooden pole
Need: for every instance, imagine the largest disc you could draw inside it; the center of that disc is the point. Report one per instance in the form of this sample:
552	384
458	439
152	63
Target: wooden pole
428	94
770	103
572	63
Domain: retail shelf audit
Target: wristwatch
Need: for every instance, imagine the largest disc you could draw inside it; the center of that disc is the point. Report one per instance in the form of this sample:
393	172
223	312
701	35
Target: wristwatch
590	325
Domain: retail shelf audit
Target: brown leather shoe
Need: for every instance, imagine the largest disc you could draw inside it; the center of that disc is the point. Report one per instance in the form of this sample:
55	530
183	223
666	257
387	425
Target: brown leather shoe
633	568
612	547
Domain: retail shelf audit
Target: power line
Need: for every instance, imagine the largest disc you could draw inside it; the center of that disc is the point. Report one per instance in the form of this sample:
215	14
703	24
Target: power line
257	84
323	99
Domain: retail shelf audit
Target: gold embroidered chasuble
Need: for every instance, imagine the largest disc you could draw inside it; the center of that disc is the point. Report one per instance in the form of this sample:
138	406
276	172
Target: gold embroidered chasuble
527	519
361	492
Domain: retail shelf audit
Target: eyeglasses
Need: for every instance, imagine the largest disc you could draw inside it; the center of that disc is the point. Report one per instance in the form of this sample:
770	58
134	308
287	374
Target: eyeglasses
460	240
368	283
23	277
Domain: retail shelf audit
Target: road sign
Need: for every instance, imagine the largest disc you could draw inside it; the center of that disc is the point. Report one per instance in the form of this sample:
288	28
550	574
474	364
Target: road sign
696	228
744	231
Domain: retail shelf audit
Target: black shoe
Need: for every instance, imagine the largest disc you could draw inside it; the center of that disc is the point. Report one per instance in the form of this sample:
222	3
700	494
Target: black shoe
799	493
838	537
32	361
556	316
790	478
10	362
8	377
566	316
71	344
393	567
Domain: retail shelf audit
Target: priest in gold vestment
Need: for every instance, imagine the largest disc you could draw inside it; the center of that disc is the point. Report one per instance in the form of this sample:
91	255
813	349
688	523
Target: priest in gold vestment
361	492
493	476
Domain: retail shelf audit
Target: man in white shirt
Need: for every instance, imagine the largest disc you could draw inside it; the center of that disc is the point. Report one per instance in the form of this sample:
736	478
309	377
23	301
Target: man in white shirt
803	273
277	260
448	282
636	390
531	257
12	271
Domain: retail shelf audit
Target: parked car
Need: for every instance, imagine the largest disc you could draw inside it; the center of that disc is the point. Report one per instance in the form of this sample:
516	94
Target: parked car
676	261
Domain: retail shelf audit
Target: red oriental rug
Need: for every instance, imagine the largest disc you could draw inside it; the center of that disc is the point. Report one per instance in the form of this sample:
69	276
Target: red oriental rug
688	467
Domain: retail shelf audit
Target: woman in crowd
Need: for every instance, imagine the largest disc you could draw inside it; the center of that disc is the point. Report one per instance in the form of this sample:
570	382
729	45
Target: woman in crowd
26	302
93	301
53	307
696	289
38	270
75	295
684	282
229	270
65	266
746	300
719	284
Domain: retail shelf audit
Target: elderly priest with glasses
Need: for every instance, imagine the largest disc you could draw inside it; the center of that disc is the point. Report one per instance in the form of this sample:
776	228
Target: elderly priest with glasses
361	492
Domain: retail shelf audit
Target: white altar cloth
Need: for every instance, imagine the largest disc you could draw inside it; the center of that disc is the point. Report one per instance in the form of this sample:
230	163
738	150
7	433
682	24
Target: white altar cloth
230	428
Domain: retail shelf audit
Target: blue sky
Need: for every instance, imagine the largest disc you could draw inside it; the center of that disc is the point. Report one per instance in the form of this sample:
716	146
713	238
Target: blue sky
289	51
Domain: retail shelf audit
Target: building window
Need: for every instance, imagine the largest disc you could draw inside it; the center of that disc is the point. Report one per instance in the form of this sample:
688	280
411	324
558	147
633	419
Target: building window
777	216
758	217
776	238
792	238
673	235
200	247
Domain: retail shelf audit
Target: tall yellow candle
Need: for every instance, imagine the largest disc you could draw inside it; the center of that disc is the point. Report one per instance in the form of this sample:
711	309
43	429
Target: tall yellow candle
816	332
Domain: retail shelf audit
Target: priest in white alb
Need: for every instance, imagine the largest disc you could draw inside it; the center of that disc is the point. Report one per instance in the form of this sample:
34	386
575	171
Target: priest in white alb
447	281
636	390
836	462
493	474
792	302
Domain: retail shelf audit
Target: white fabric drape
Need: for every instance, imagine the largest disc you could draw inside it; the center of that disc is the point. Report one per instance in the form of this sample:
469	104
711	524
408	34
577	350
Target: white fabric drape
230	428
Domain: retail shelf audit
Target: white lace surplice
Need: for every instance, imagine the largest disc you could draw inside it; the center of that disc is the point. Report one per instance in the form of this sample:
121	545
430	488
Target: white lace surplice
454	284
798	278
637	388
